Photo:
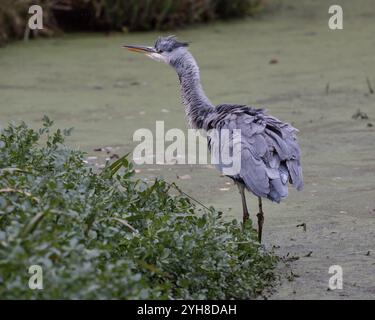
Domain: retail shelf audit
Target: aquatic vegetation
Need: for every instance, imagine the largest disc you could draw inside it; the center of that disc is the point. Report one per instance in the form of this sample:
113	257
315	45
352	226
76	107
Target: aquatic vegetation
105	234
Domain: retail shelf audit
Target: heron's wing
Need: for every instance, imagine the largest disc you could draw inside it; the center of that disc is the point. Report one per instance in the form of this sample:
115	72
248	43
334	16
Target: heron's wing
270	155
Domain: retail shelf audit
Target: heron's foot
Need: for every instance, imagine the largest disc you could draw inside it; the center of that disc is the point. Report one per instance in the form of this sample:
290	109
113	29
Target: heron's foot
260	217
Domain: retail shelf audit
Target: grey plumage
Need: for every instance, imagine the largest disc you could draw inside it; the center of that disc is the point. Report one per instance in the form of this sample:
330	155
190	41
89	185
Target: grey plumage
270	154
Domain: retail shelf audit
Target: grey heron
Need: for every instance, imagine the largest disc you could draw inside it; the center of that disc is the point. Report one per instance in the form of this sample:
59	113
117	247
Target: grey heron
270	154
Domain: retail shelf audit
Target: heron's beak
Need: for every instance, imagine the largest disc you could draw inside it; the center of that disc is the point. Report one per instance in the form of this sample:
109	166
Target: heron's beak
140	49
148	51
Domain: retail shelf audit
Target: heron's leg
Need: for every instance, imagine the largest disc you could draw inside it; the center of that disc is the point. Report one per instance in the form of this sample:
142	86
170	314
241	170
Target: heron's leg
260	217
245	212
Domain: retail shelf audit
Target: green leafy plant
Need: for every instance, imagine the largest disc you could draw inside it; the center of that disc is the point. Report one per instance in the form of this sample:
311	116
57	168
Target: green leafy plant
107	235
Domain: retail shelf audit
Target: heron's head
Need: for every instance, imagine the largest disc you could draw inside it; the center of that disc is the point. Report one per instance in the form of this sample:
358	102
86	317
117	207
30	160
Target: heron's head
166	49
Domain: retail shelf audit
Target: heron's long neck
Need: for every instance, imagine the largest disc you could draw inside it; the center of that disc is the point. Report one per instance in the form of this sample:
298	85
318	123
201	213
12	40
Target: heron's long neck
196	103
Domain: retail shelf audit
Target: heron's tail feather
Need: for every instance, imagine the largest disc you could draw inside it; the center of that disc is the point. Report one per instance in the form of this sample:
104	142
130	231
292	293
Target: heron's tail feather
295	171
279	185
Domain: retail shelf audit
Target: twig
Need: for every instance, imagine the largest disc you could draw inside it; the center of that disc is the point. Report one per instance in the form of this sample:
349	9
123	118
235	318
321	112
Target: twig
33	223
28	194
369	86
185	194
125	223
11	170
303	225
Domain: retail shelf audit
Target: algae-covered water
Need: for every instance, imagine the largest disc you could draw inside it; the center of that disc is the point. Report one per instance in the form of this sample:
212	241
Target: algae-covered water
318	82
